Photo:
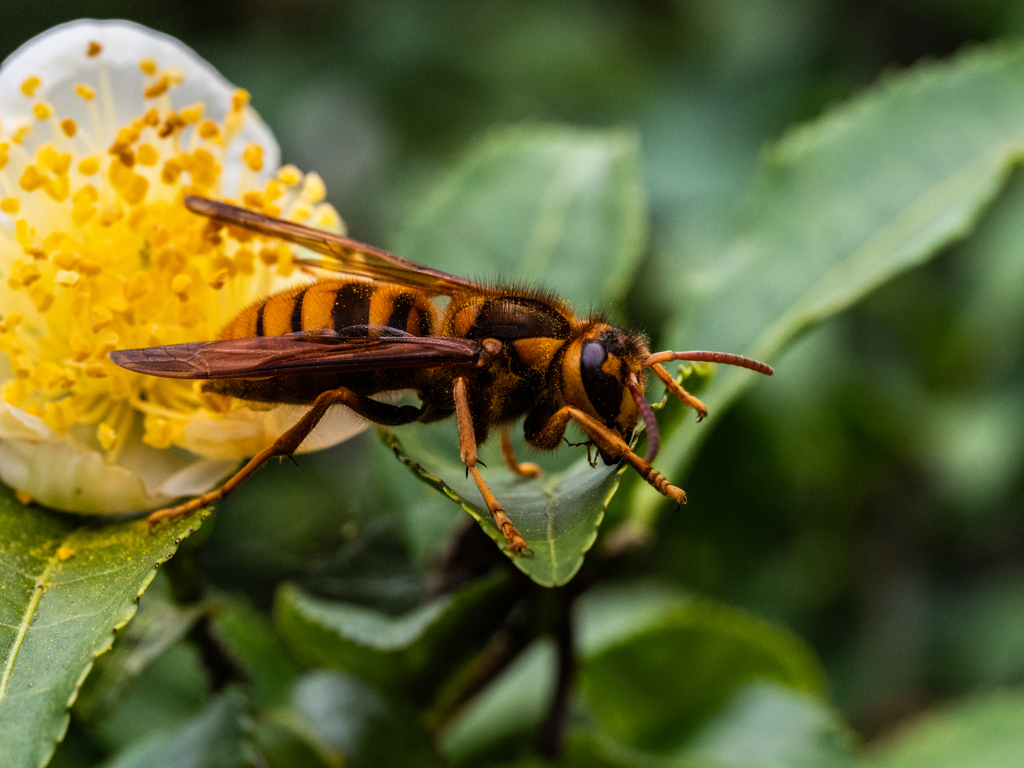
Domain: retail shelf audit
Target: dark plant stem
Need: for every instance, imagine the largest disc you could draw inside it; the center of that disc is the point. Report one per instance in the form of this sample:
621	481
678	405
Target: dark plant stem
187	588
469	555
500	652
552	735
221	668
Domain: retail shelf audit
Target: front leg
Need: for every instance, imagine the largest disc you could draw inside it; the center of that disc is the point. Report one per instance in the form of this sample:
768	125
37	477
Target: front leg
467	452
551	433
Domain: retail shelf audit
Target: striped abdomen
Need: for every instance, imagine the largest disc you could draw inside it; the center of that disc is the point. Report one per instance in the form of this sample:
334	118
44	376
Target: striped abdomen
334	305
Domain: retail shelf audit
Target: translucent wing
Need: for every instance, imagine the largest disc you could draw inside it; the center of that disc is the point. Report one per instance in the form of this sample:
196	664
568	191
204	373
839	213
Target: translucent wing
295	353
345	256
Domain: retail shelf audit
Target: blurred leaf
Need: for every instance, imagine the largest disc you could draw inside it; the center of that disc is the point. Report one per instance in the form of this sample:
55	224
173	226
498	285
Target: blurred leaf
76	750
762	725
170	693
980	632
501	722
409	655
249	637
670	664
767	726
216	738
558	513
157	626
286	740
987	732
365	726
990	279
558	207
67	584
345	544
843	204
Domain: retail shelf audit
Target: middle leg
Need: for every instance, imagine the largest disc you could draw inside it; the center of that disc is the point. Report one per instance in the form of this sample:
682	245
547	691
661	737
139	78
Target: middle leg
508	454
467	452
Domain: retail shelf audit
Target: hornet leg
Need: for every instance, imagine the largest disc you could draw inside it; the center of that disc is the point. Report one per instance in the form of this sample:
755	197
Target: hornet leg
289	442
609	442
525	469
467	451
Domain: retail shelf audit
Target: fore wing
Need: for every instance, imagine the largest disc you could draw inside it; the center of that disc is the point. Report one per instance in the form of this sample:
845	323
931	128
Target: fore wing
300	353
344	255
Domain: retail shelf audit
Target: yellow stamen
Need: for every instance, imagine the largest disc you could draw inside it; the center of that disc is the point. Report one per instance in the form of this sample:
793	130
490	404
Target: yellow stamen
193	113
253	157
42	111
289	175
31	179
147	155
85	91
29	86
66	277
313	189
159	88
10	322
106	435
180	285
80	348
101	318
208	129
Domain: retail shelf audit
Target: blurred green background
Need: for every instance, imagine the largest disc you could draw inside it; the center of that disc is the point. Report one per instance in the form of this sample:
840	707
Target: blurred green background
870	497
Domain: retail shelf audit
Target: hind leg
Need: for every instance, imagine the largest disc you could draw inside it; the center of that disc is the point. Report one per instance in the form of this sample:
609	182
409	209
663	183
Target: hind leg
289	442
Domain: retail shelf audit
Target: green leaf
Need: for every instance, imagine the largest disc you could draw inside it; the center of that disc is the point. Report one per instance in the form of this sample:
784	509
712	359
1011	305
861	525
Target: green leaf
558	513
66	586
157	626
986	732
173	690
667	664
369	729
767	726
216	738
503	720
559	207
842	205
556	207
762	725
409	655
287	740
251	641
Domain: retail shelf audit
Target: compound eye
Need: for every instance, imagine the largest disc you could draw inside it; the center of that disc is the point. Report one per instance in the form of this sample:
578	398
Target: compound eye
603	390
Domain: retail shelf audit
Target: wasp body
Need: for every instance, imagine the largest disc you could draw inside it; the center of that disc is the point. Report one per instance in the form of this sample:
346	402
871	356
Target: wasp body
491	356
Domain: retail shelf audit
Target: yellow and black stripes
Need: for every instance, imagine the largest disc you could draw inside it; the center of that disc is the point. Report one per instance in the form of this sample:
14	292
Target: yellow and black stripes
335	305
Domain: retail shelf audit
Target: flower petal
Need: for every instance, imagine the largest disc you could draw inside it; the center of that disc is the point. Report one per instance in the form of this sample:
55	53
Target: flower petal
247	431
59	473
57	57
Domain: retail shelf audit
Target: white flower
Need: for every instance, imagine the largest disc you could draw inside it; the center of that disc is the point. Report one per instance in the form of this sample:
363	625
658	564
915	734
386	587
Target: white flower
104	127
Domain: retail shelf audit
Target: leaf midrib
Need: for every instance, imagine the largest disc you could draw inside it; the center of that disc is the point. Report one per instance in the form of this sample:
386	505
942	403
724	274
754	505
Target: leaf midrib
37	595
